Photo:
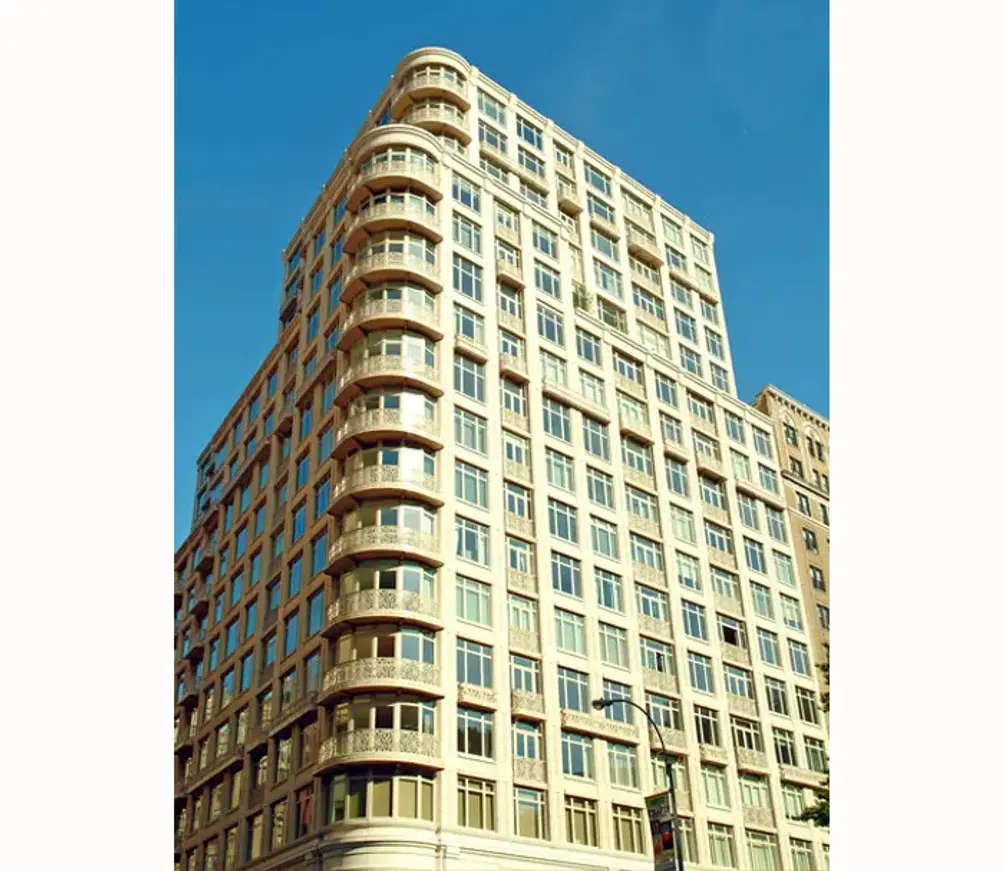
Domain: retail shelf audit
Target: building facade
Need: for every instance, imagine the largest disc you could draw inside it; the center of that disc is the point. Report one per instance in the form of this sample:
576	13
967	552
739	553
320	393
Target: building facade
494	468
803	439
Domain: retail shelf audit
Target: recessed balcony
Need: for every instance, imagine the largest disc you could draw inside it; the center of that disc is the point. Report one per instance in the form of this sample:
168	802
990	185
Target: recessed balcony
405	171
382	673
529	706
431	83
379	542
660	680
568	196
372	482
386	370
708	463
392	216
375	268
203	561
369	606
199	602
648	574
515	367
722	558
645	525
596	724
644	246
439	118
196	649
189	694
509	271
375	746
386	423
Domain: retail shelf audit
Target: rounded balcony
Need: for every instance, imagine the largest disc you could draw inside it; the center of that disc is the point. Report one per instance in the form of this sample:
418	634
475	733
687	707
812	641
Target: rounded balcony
383	541
390	210
431	73
371	482
408	263
360	746
438	116
386	370
368	606
382	673
377	424
395	155
412	309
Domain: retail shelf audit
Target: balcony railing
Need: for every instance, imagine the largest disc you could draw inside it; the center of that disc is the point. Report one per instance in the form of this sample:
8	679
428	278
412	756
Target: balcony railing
639	478
728	606
393	476
644	525
387	364
518	471
510	321
412	169
661	680
742	705
520	525
521	581
382	537
375	602
528	770
673	738
648	574
505	269
525	703
393	260
722	557
758	816
735	654
596	724
377	744
755	759
390	419
479	697
657	628
524	640
710	753
515	419
368	309
382	671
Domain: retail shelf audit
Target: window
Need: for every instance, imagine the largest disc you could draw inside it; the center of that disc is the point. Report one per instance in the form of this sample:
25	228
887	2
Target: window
531	820
580	820
748	515
761	442
824	616
807	708
466	233
651	603
694	621
475	803
600	486
475	733
520	554
570	631
588	346
799	655
597	179
738	681
722	845
809	540
473	601
763	851
613	645
562	521
754	790
546	279
665	711
784	569
545	241
716	787
469	430
801	851
594	437
474	663
573	690
706	722
553	369
763	603
577	756
560	470
775	524
566	575
784	747
470	484
524	672
606	246
657	656
770	652
318	554
646	551
603	536
755	559
467	278
466	193
741	466
529	133
682	522
315	610
557	419
623	761
791	614
292	633
777	696
815	754
699	669
608	279
550	325
609	590
491	108
472	541
469	377
468	325
513	397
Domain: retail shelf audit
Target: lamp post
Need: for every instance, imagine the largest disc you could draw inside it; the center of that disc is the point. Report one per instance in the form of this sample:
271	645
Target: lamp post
599	705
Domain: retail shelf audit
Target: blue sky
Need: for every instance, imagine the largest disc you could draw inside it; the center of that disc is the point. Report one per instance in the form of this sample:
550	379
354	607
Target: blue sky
719	106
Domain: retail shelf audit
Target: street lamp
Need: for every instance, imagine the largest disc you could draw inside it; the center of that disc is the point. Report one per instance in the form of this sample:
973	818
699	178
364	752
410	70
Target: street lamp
599	705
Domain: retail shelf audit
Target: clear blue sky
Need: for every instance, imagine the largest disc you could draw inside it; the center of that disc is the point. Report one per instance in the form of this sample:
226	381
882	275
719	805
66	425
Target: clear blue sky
719	106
